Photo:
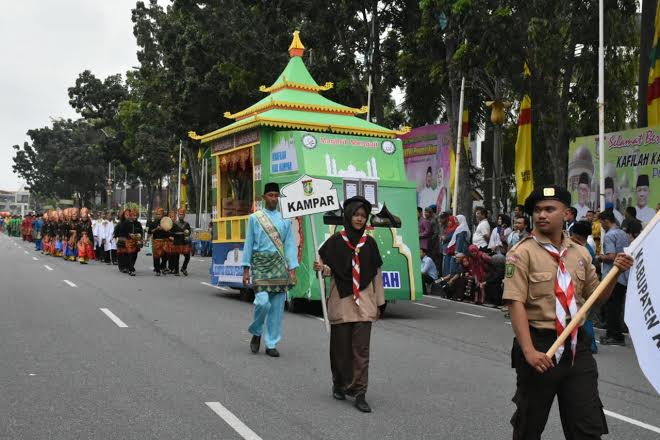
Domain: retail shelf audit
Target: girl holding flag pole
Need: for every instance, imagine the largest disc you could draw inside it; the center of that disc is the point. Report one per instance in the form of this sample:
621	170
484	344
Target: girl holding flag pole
352	260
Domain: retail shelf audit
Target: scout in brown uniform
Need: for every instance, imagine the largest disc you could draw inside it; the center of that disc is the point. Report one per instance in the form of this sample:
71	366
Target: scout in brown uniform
355	300
547	279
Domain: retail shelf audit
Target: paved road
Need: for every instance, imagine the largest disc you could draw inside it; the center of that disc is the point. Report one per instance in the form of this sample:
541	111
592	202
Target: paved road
70	370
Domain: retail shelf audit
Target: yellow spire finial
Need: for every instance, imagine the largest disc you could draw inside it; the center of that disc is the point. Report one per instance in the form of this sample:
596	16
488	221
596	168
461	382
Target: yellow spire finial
296	49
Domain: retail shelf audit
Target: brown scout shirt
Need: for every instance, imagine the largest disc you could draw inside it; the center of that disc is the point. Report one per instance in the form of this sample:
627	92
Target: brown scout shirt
343	310
531	273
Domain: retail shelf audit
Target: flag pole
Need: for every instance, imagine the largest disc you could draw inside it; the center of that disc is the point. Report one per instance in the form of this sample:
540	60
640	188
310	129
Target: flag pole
601	107
459	141
178	195
609	278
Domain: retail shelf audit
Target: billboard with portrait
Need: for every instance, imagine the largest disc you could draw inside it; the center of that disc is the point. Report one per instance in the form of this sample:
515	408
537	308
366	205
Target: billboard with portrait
426	158
632	172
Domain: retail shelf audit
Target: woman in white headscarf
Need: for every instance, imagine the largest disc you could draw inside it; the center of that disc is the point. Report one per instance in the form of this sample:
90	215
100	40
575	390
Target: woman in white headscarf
459	241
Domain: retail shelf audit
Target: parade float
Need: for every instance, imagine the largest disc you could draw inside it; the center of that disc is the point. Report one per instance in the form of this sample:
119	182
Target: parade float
295	132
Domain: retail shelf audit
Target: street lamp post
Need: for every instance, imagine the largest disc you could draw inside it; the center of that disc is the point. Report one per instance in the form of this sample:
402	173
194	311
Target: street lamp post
139	198
108	187
497	115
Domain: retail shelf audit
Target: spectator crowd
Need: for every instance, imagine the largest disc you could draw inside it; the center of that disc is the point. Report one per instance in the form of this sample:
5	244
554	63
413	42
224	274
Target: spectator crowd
468	264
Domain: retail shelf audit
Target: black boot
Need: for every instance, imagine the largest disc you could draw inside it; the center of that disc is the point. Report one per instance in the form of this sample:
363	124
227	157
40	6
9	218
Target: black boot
255	343
361	404
272	352
338	394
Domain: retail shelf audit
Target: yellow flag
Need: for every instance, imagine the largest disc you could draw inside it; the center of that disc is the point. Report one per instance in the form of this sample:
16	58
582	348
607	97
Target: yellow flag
465	133
653	92
184	190
523	162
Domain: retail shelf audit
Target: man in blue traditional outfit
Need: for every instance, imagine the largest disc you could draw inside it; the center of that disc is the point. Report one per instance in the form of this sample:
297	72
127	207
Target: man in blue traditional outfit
271	254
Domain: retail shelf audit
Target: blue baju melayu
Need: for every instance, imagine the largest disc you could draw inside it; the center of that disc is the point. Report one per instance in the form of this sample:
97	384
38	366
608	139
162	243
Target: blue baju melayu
261	255
37	226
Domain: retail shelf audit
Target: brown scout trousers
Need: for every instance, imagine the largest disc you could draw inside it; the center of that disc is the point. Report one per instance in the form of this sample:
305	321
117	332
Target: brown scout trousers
576	387
349	357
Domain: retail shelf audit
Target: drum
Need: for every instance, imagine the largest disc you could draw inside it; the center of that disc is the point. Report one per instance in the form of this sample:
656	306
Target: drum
166	223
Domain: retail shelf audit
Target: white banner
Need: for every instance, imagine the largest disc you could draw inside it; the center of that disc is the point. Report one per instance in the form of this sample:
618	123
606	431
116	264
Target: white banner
308	195
643	301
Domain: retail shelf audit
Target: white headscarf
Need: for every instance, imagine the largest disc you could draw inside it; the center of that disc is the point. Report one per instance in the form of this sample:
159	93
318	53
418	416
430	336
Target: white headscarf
462	227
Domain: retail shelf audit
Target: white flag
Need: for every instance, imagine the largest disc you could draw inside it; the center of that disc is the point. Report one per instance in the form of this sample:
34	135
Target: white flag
643	301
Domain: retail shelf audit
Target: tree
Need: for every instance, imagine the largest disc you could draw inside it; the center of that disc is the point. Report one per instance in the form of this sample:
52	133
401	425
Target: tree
97	101
493	38
62	160
202	58
148	144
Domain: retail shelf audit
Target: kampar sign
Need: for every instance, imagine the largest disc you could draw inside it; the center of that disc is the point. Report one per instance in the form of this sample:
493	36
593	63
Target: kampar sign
308	195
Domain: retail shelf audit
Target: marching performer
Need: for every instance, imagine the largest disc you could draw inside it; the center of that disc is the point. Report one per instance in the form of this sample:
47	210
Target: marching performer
47	233
129	241
182	242
119	236
108	240
356	297
61	231
98	227
159	242
37	229
171	250
547	279
270	255
26	227
85	234
70	247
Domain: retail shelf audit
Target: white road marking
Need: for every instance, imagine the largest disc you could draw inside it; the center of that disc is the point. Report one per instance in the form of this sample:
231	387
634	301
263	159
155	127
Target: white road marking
114	318
424	305
35	258
199	259
469	314
314	317
233	421
26	253
437	298
48	267
216	287
507	322
69	283
632	421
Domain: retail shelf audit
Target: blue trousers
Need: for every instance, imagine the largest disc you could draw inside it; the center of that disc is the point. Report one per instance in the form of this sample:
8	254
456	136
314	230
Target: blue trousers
37	245
268	308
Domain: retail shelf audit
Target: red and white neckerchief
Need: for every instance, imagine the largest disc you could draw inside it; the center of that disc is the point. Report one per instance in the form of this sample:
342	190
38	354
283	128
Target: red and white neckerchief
356	262
565	304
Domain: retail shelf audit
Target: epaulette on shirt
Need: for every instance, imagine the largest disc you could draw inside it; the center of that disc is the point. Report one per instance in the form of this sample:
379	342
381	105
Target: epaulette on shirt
529	237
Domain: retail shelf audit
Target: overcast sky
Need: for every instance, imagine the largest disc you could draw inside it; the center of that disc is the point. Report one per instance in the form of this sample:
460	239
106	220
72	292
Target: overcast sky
44	45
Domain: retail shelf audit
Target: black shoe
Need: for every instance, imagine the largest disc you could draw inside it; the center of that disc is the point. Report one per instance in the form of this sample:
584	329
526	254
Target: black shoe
157	274
176	274
255	343
132	273
272	352
184	272
612	341
362	404
339	395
